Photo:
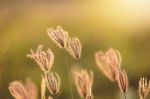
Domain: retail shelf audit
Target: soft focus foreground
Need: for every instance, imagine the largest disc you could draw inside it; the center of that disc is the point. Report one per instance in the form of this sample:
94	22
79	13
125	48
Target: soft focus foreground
99	24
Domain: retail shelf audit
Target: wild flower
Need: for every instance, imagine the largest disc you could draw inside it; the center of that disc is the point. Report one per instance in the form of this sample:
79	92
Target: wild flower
23	91
44	59
58	36
52	82
109	63
62	39
83	81
17	90
70	44
144	88
123	81
74	47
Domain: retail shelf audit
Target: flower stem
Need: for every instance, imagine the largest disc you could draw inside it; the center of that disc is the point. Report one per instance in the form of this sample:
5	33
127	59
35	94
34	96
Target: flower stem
71	92
125	96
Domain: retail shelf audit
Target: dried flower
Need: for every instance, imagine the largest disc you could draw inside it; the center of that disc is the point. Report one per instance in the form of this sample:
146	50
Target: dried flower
74	47
83	82
144	88
52	81
109	63
18	90
43	59
23	91
123	81
59	36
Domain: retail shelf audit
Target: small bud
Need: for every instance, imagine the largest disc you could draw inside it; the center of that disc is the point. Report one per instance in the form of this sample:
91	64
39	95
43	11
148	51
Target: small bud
59	36
109	63
123	81
43	59
52	81
144	88
84	83
18	90
74	47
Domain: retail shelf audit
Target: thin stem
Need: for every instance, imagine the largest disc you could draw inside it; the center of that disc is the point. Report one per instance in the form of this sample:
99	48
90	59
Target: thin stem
43	88
125	96
71	92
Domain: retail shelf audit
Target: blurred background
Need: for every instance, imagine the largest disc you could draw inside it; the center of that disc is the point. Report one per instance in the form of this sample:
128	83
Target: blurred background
99	24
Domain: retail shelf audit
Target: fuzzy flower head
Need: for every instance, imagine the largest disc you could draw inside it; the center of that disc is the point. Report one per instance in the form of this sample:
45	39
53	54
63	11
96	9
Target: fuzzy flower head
44	59
74	47
17	90
23	91
123	81
52	82
109	63
83	81
144	88
59	36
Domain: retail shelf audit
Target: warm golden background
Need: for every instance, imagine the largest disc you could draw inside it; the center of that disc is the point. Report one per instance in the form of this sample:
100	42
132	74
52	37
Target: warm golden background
100	24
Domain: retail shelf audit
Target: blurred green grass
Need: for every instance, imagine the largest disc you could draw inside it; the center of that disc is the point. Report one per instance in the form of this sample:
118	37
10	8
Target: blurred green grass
98	24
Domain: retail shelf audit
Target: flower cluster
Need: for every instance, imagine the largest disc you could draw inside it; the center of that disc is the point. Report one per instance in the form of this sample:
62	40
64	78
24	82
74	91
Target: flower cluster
45	60
63	40
110	65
